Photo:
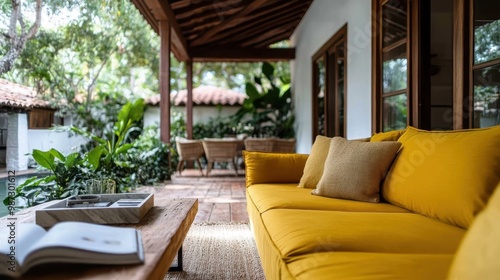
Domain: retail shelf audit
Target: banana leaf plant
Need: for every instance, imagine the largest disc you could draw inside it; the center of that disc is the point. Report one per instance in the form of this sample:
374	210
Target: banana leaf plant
117	142
268	105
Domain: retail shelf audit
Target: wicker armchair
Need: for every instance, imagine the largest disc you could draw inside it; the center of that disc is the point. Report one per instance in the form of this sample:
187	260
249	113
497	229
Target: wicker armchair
284	145
259	144
189	150
221	150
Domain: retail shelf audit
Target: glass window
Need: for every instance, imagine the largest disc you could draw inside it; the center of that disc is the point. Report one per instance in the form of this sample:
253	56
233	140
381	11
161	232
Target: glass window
486	31
395	70
487	96
395	111
394	22
329	90
394	66
486	71
320	64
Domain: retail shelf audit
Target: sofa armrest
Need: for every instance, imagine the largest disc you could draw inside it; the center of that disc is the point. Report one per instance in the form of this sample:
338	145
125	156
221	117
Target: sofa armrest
273	167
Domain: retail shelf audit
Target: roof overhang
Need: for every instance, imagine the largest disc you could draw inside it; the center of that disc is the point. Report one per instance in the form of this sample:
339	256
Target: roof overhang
232	30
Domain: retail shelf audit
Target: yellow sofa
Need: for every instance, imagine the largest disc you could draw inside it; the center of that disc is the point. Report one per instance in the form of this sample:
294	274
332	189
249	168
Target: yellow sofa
433	191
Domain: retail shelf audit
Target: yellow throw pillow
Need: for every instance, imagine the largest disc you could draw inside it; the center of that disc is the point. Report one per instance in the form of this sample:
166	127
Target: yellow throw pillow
354	170
263	167
477	256
314	164
446	175
387	136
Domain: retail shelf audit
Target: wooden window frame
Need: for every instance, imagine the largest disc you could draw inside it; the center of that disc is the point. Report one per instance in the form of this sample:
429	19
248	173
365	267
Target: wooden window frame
339	37
377	62
463	68
468	119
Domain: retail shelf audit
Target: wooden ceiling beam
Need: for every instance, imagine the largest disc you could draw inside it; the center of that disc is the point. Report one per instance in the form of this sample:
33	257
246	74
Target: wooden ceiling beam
188	23
265	36
218	54
216	7
257	21
178	41
250	32
285	35
231	21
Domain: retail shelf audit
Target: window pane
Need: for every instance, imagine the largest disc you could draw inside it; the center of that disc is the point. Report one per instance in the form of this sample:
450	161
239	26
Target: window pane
395	67
395	111
486	96
394	23
320	64
486	30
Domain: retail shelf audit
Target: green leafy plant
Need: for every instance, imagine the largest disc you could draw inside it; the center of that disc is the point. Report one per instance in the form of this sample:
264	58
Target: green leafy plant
269	104
106	160
65	179
115	145
148	157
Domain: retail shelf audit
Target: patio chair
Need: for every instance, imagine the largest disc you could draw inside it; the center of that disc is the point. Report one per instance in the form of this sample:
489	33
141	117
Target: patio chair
259	144
284	145
189	150
221	150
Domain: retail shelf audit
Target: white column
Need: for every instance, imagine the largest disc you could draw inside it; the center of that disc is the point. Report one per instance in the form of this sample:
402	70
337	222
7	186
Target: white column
17	142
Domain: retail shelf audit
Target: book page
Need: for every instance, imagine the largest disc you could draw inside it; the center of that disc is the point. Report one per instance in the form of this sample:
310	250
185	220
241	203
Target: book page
90	237
21	238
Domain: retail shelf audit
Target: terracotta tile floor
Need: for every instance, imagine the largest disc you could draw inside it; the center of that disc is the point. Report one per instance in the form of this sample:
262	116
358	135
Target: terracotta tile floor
221	196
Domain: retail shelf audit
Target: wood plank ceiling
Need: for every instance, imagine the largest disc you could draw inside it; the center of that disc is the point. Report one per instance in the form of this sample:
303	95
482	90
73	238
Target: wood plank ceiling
227	30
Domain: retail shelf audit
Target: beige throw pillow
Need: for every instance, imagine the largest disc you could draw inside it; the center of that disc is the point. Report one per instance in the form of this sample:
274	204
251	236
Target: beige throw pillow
313	168
354	170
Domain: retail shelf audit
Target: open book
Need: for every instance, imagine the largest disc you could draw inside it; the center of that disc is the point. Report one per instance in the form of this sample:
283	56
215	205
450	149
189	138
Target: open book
25	245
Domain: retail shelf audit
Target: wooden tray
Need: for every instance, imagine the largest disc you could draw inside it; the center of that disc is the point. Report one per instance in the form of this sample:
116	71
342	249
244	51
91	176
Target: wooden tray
112	214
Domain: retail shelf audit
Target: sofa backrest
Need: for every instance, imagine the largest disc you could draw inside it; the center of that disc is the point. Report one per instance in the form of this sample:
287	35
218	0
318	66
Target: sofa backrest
446	175
477	256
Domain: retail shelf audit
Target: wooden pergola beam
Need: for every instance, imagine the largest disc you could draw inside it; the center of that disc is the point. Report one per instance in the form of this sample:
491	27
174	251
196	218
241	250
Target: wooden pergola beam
232	21
165	44
178	41
256	21
217	54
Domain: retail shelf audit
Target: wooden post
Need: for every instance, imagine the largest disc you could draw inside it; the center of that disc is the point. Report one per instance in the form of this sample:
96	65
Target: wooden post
165	41
189	102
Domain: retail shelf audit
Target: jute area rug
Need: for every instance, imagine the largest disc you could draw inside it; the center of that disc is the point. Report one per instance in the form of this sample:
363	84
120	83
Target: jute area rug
219	251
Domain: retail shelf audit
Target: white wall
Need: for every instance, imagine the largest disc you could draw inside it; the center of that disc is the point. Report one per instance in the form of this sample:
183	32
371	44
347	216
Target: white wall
45	139
200	113
323	19
17	146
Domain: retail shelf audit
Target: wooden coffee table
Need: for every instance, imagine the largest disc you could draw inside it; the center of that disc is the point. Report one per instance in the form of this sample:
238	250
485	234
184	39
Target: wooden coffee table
163	231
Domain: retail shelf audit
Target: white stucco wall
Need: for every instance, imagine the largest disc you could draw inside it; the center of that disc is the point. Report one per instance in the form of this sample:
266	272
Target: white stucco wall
45	139
17	146
323	19
200	113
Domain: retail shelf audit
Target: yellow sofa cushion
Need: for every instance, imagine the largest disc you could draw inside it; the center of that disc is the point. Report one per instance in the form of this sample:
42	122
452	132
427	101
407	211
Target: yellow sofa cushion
298	232
477	257
387	136
446	175
373	266
273	167
313	168
288	196
354	170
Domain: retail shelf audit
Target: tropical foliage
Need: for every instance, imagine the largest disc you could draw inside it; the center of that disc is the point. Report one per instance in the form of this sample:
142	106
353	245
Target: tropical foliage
118	156
269	104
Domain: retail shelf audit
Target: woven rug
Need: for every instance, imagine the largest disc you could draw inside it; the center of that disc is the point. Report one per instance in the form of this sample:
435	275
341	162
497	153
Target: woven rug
219	251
